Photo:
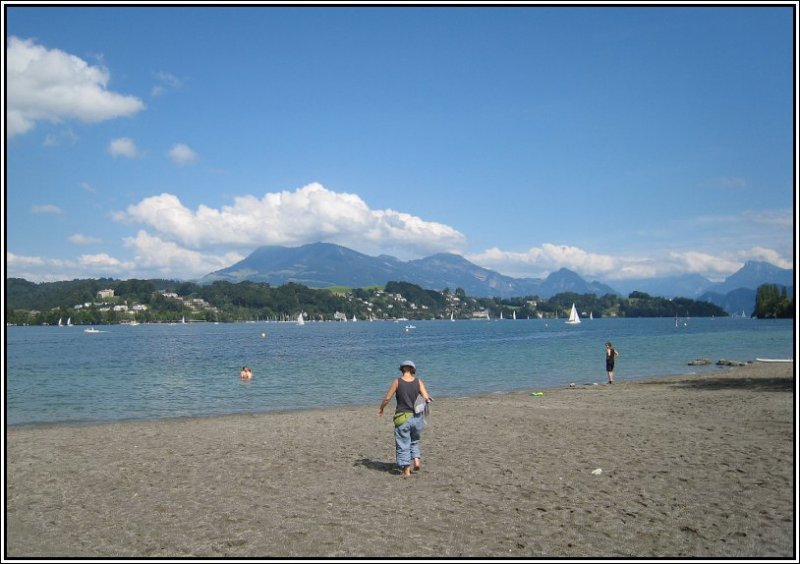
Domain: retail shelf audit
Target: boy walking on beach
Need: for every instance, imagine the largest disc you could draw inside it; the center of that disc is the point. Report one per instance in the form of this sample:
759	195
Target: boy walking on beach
407	423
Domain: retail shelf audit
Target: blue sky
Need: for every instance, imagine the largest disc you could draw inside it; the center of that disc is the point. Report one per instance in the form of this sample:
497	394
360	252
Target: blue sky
617	142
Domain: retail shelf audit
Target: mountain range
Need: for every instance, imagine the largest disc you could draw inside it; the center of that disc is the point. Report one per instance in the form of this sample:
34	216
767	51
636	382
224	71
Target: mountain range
321	265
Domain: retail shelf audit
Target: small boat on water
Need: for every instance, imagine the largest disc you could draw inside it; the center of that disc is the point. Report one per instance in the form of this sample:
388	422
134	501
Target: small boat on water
92	330
775	359
574	318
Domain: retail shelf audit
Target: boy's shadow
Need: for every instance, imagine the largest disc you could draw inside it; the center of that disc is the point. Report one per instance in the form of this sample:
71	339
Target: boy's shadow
378	465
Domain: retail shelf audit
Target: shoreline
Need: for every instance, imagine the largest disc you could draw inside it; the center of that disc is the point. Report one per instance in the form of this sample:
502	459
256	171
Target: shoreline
691	466
719	369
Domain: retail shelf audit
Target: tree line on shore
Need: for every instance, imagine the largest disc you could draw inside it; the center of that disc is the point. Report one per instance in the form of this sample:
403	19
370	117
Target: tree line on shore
773	301
157	300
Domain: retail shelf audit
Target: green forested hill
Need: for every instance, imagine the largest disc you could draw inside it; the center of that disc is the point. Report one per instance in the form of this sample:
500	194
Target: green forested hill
169	300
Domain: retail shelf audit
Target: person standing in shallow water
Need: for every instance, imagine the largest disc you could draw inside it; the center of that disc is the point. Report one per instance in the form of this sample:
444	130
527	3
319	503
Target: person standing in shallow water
611	355
407	423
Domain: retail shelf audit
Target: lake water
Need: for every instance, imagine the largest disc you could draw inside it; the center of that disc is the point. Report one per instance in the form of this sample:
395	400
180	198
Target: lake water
61	375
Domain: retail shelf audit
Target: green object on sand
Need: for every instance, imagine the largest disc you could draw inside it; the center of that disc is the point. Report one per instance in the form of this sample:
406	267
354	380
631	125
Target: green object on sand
537	393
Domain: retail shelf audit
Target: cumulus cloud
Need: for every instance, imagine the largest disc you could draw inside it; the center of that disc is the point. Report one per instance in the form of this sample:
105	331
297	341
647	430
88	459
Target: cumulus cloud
712	266
181	154
123	147
766	255
101	261
168	258
49	84
46	209
538	262
19	261
43	269
309	214
685	248
153	258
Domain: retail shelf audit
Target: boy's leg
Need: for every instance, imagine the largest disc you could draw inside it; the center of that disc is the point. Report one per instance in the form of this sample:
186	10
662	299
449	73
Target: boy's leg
402	442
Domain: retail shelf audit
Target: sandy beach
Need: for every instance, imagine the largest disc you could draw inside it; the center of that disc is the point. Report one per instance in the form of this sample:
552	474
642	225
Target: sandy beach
684	466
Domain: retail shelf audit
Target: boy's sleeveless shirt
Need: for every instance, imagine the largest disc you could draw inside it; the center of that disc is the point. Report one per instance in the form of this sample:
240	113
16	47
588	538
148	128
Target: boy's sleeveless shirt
407	393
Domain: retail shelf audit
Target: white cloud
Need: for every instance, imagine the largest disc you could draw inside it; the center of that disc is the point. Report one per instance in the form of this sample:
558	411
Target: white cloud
57	139
42	269
309	214
538	262
49	84
153	258
18	261
766	255
100	261
181	154
711	266
170	259
79	239
46	209
123	147
166	81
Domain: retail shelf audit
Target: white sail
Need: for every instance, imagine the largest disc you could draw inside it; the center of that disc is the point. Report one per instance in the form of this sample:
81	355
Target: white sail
354	318
300	320
514	315
574	319
69	322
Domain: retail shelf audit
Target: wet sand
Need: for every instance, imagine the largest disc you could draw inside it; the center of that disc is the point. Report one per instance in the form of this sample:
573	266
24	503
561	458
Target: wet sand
689	467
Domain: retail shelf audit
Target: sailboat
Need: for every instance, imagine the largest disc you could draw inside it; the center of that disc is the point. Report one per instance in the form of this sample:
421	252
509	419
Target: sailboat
514	315
69	322
354	318
451	316
574	319
59	322
300	320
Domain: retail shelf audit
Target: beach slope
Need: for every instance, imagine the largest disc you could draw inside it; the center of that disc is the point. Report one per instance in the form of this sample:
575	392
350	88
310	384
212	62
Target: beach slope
690	466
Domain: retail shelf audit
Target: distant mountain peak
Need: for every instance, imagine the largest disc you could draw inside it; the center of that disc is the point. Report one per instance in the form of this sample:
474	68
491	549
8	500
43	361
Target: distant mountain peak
320	265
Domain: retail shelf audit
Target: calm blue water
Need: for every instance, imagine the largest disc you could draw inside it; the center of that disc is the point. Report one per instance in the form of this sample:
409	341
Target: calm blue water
63	375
